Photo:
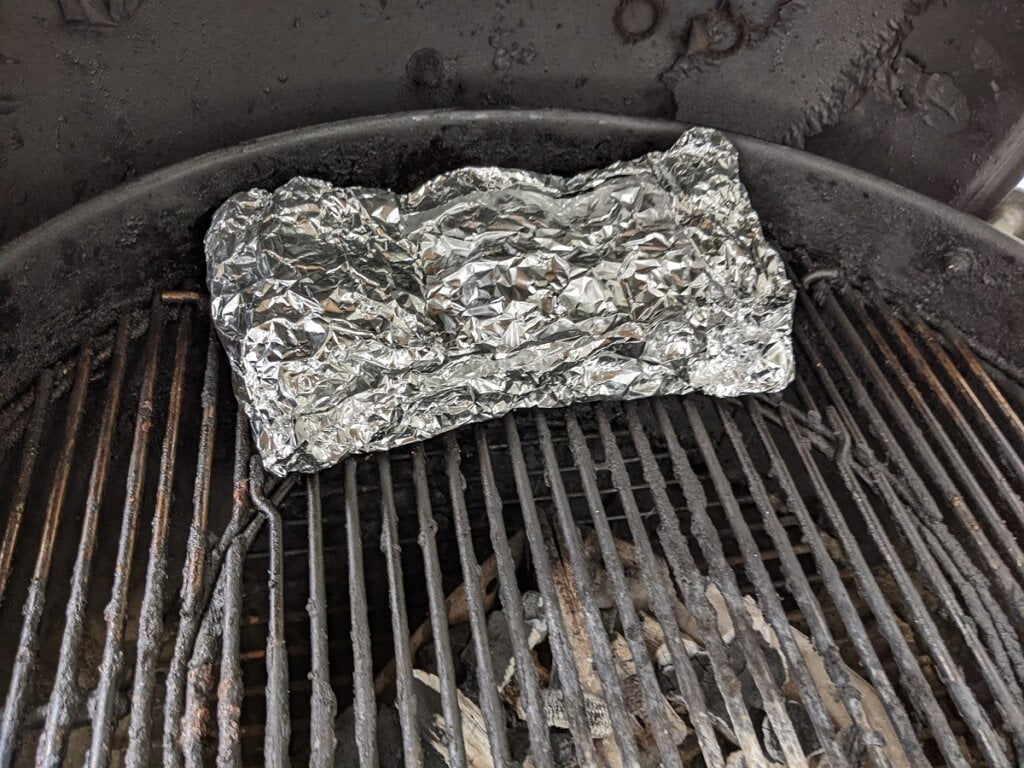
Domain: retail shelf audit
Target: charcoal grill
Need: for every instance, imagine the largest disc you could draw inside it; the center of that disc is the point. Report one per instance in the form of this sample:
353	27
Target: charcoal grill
162	600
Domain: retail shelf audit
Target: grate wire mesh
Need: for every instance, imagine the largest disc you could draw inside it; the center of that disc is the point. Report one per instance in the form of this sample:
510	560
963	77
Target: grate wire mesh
832	576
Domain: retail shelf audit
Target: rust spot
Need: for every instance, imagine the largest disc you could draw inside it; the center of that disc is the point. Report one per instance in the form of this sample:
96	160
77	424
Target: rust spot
717	33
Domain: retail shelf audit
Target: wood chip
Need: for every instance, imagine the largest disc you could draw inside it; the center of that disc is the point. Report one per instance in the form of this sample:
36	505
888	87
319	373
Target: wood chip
874	710
432	728
627	673
583	654
457	610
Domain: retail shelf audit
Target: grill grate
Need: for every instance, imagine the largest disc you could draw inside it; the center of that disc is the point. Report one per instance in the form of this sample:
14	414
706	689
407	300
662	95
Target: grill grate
830	575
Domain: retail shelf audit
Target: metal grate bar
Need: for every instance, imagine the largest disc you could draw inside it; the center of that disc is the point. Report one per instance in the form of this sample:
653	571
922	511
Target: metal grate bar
772	606
1011	654
811	608
1013	501
229	690
477	620
1013	419
24	661
656	587
511	598
564	660
218	619
151	615
976	588
990	742
591	639
237	539
725	580
438	615
693	587
276	737
323	705
29	454
680	554
406	693
990	558
908	473
195	562
199	684
967	579
942	545
364	706
965	700
50	750
116	610
978	495
888	623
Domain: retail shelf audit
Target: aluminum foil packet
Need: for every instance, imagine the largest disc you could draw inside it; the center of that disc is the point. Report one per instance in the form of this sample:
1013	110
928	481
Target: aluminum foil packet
359	319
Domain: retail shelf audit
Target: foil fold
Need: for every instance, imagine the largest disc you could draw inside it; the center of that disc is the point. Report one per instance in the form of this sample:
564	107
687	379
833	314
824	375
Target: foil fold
359	319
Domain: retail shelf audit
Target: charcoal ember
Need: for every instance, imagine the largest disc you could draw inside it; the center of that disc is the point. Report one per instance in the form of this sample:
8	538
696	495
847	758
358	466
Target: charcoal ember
499	640
459	637
803	728
563	753
388	735
519	742
713	699
748	688
426	657
773	660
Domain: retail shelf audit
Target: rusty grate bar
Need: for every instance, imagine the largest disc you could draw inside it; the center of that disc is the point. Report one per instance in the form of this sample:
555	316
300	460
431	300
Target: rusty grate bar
830	576
60	709
191	596
811	607
106	692
229	689
151	613
30	453
35	602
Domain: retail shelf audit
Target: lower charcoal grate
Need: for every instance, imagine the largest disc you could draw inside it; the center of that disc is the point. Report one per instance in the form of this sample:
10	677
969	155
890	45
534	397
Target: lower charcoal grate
829	577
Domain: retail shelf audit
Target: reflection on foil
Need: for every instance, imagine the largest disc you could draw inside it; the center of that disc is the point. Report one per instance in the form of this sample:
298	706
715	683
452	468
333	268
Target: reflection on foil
359	319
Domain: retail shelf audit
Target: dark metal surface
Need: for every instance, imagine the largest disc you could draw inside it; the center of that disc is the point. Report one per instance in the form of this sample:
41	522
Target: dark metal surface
925	93
870	520
818	517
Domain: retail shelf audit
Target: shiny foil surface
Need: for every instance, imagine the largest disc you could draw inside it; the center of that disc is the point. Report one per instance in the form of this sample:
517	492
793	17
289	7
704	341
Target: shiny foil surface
360	319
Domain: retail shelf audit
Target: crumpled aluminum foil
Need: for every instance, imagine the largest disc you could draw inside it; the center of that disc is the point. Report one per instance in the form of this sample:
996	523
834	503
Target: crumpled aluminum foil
359	319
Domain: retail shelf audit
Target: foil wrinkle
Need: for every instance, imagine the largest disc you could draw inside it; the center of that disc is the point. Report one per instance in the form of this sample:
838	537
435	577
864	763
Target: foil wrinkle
359	319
